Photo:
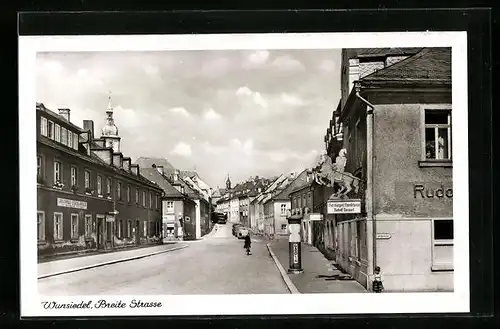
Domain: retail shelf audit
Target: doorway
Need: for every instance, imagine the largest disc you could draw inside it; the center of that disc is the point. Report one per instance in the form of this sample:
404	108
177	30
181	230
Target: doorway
100	232
137	235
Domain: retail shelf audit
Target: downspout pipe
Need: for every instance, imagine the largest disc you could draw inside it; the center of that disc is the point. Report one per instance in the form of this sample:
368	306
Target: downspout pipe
369	169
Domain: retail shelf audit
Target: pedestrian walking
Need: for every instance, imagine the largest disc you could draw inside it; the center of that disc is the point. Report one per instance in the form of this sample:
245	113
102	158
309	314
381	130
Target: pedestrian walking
248	244
378	280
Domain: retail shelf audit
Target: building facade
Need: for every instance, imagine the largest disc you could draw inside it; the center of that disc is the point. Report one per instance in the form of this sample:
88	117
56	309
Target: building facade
398	141
89	196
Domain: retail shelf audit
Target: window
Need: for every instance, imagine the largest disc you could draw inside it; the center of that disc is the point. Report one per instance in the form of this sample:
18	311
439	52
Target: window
64	136
150	200
137	195
144	198
283	209
120	223
108	186
57	172
58	226
41	225
74	226
87	179
43	126
442	248
88	225
39	173
128	193
129	228
283	227
156	201
50	129
170	206
299	199
145	223
75	141
73	176
437	134
70	139
119	191
58	133
99	185
304	200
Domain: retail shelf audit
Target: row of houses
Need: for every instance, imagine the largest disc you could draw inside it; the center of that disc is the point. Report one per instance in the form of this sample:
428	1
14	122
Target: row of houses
92	197
393	123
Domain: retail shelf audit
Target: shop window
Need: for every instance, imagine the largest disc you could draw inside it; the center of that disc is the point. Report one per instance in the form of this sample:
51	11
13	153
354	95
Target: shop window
88	225
64	136
120	223
437	135
74	178
41	225
43	126
145	223
57	172
74	226
442	245
129	228
50	129
57	136
58	226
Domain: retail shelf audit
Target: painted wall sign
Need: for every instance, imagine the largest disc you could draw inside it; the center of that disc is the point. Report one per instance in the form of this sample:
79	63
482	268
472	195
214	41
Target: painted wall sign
421	192
169	218
71	203
314	217
344	207
383	236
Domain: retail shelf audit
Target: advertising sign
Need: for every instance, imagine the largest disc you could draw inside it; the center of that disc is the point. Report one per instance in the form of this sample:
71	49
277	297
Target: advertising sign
295	253
344	207
71	203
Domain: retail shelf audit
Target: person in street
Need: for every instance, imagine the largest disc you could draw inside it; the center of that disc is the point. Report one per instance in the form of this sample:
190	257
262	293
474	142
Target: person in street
378	280
248	244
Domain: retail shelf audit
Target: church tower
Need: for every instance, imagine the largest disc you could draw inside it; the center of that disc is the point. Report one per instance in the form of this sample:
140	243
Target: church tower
228	183
110	131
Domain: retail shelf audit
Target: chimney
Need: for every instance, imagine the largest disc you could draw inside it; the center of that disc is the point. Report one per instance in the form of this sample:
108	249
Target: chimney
160	169
292	175
88	125
176	175
64	113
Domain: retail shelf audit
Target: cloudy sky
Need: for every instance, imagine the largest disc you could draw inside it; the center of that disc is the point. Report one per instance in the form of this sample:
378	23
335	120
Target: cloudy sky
244	113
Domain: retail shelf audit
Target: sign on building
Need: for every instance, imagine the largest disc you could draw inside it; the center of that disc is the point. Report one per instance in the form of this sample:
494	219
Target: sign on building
169	218
318	217
67	203
344	207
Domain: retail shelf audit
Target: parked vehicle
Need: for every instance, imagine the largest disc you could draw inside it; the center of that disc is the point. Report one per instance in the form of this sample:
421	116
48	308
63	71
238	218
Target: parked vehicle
219	218
235	228
242	232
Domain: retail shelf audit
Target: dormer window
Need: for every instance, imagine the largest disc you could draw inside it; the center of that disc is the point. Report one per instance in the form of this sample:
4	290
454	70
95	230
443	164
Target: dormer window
57	133
50	129
70	139
43	126
75	141
64	136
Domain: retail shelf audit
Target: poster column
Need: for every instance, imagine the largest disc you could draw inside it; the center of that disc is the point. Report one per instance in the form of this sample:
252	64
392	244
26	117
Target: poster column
295	254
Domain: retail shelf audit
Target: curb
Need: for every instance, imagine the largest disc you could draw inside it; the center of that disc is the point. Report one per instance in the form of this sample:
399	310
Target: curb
109	263
284	275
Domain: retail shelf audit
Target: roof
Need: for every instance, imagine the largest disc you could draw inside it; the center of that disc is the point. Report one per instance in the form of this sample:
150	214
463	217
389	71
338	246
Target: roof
152	174
300	181
428	64
41	107
148	162
382	52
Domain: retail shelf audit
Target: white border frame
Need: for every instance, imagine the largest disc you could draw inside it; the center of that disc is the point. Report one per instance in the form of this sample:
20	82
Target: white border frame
457	301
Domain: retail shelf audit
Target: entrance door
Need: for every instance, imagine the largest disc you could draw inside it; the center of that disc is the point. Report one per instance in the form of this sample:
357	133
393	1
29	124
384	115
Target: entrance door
109	233
100	233
137	235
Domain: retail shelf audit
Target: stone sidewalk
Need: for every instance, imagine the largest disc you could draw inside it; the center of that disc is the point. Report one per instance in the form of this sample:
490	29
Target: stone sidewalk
72	264
319	276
